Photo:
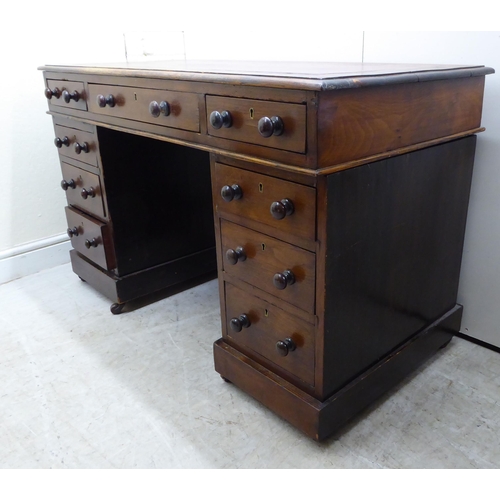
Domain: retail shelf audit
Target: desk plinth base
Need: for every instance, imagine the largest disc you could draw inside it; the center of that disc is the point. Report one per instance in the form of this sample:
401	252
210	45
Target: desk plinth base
319	419
176	275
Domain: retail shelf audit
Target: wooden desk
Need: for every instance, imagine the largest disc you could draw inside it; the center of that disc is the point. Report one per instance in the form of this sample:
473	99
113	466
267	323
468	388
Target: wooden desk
331	199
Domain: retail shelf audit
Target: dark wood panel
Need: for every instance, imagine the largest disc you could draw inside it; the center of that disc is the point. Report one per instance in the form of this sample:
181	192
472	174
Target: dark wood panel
91	238
83	180
159	197
133	103
268	325
356	123
264	258
245	115
393	253
71	87
80	144
317	419
259	192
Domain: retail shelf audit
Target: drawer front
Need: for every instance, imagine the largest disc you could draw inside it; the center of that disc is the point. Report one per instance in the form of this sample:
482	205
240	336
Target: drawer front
267	263
91	238
245	116
134	104
76	144
83	190
66	94
268	326
259	192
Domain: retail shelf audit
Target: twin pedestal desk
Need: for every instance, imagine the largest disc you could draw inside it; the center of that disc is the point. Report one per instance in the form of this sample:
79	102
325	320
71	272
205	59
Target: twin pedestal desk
330	199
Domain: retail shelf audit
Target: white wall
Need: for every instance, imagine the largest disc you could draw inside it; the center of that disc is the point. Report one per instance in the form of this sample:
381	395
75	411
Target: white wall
31	201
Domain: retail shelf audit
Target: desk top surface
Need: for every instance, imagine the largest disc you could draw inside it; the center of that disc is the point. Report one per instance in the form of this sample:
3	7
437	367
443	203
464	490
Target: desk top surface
288	74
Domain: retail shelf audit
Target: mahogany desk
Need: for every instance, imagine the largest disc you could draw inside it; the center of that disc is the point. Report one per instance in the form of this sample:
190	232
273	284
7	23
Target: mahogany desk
331	199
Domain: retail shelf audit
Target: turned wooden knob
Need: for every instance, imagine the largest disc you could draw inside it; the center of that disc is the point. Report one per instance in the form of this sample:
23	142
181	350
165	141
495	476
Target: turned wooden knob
270	126
68	184
79	147
240	322
285	346
88	193
219	119
284	279
59	143
230	193
72	231
50	93
280	209
159	108
91	243
103	101
234	256
71	96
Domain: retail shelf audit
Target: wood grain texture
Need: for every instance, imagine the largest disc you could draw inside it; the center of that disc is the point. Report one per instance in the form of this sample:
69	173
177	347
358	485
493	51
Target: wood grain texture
357	123
394	248
132	103
259	192
246	114
267	256
270	324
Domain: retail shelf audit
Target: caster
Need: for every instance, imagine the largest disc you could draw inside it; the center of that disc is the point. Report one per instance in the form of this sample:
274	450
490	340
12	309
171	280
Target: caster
117	308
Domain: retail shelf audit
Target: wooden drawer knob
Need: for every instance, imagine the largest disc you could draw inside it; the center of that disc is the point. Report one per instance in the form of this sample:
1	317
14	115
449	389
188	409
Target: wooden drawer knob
71	96
219	119
68	184
237	324
59	143
91	243
72	231
103	101
270	126
50	93
234	256
284	279
285	346
280	209
84	146
230	193
159	108
88	193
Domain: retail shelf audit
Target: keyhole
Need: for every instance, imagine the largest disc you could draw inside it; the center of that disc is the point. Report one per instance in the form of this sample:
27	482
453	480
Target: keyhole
251	113
135	96
261	187
266	313
263	246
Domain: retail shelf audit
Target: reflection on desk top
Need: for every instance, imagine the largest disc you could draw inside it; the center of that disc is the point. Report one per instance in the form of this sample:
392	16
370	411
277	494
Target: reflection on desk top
282	74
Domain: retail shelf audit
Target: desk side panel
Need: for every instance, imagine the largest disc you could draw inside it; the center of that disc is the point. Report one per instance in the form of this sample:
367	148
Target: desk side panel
393	256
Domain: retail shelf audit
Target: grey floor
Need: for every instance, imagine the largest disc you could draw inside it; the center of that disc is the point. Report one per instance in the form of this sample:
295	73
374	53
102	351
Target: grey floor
81	388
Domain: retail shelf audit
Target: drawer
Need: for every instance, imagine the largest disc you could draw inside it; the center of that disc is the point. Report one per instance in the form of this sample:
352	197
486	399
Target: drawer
136	104
268	326
83	190
76	144
245	116
286	271
91	238
66	94
259	192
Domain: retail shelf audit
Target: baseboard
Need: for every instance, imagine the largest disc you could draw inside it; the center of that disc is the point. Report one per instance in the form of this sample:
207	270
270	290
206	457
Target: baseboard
34	257
478	342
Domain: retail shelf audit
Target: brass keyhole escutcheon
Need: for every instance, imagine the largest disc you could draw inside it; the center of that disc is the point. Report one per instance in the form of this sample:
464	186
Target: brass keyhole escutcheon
263	246
261	187
252	113
266	313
